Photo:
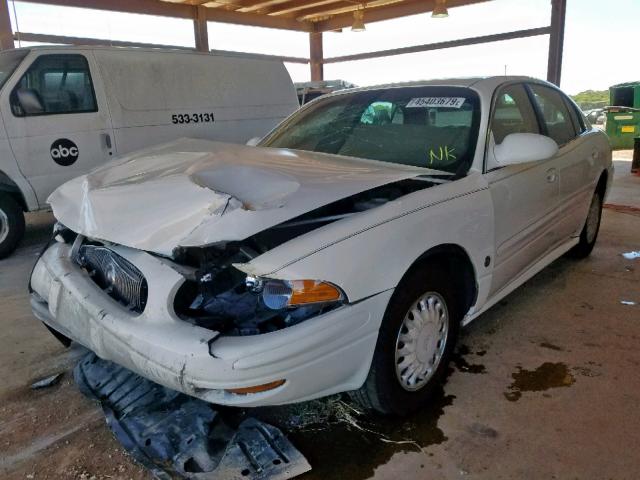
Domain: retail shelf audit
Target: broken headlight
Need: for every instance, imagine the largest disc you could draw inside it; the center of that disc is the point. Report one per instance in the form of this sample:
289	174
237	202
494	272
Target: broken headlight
281	294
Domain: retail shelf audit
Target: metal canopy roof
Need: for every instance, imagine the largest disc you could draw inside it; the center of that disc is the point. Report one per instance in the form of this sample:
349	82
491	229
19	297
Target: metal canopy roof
303	15
312	16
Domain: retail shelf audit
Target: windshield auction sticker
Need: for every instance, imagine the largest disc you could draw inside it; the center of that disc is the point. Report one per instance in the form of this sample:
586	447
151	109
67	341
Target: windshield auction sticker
446	102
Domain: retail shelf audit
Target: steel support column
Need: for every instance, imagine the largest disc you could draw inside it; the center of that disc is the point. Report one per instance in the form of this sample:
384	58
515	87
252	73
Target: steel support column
316	56
200	29
556	40
6	32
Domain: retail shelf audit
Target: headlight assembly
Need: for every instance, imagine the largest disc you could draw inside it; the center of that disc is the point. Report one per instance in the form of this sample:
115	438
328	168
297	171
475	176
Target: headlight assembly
279	294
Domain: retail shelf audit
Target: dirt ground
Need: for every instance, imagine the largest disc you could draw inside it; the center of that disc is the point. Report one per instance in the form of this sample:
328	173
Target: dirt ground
545	385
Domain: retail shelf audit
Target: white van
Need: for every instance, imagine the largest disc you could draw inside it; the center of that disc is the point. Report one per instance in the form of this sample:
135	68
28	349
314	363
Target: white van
66	110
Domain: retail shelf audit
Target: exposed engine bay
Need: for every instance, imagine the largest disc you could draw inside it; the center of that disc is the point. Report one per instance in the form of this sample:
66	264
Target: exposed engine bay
222	298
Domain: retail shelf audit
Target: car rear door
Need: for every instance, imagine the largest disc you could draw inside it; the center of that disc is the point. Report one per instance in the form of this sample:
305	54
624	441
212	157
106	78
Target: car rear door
525	196
574	159
66	130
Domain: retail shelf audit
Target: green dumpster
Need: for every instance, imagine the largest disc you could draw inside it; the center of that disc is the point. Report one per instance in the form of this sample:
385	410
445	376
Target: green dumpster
623	116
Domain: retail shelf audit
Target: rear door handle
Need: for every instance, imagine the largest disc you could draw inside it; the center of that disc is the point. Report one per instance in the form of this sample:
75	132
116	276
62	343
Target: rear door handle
552	175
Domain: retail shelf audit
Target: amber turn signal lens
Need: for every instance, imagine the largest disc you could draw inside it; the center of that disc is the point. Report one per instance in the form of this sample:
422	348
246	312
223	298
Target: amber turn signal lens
256	389
312	291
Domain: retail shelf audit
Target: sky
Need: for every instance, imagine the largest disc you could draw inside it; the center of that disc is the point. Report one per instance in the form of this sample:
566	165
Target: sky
600	44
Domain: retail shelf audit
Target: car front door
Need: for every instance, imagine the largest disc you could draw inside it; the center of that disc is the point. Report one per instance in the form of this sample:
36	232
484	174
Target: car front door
57	120
525	196
573	161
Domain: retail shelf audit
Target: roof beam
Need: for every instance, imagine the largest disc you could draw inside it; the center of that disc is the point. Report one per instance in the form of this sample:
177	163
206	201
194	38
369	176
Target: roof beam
148	7
327	9
253	19
463	42
293	6
178	10
82	41
388	12
256	5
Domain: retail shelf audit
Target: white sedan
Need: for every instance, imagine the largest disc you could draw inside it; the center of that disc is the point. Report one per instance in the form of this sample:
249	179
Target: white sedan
343	253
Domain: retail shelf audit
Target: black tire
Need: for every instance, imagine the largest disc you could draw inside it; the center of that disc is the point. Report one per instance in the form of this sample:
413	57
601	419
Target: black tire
382	390
11	224
585	244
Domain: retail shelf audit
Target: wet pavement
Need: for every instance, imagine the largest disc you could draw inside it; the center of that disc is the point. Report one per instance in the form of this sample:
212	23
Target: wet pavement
544	385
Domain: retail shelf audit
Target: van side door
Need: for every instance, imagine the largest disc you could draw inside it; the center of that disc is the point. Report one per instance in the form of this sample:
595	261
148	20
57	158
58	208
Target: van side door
524	195
56	119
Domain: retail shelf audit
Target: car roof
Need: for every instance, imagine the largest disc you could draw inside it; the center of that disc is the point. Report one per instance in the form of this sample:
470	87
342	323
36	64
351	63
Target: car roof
477	83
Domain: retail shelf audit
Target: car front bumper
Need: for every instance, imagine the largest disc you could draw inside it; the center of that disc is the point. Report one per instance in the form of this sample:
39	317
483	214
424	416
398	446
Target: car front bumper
324	355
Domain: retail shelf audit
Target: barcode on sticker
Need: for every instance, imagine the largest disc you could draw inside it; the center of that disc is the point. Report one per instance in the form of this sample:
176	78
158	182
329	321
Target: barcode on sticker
447	102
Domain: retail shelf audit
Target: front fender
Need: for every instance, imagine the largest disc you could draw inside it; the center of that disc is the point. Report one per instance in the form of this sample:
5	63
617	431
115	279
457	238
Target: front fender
370	252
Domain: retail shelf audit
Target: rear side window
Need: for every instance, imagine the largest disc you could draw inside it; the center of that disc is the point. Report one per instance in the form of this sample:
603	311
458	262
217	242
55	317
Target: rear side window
554	114
512	113
55	84
576	116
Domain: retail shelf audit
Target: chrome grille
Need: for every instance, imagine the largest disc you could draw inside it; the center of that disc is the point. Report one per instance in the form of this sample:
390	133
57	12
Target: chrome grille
120	279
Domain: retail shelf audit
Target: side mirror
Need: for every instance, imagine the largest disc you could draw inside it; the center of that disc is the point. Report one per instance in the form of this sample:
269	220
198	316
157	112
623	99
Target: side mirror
29	101
252	142
524	147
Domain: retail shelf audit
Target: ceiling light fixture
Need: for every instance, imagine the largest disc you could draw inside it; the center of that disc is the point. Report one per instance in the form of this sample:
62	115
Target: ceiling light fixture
358	21
440	9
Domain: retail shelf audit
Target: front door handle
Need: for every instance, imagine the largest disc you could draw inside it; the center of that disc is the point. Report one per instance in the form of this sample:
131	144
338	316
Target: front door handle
552	175
107	141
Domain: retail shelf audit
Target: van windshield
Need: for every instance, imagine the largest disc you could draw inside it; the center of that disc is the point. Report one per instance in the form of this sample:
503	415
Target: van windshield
9	61
432	127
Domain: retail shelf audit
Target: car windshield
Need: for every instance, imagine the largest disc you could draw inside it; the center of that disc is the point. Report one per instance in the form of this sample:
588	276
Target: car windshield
9	61
433	127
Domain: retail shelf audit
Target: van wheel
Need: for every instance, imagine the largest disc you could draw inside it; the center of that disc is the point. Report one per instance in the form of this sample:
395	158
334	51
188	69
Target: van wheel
589	233
415	344
11	224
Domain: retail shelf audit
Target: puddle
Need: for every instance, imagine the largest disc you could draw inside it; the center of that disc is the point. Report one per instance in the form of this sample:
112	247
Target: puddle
463	365
546	376
344	443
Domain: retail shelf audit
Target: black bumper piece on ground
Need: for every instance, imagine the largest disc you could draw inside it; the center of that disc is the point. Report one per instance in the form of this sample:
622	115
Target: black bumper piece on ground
173	434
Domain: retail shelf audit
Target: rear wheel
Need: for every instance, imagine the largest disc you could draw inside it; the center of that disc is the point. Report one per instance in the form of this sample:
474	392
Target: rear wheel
415	344
589	233
11	224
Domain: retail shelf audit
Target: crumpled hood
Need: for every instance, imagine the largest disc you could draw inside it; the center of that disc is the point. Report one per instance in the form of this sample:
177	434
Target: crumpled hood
198	192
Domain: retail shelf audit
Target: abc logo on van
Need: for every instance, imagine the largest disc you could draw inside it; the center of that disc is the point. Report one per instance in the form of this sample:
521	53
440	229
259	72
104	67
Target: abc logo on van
64	152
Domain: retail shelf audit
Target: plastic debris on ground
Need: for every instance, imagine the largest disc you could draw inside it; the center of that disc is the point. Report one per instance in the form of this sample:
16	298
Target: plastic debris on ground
631	255
627	302
49	381
175	435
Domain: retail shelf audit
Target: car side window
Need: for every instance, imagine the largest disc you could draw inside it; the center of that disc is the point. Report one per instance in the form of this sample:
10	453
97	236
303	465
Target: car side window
55	84
576	116
554	113
512	113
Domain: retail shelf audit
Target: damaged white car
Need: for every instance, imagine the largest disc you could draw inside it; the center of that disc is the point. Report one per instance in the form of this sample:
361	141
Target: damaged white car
341	254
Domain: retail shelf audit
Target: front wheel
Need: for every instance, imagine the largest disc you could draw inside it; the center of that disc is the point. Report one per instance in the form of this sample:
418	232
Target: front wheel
589	233
415	344
11	224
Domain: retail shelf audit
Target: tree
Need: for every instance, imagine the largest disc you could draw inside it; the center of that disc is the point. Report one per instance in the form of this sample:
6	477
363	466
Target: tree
592	99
